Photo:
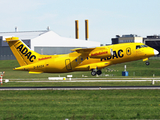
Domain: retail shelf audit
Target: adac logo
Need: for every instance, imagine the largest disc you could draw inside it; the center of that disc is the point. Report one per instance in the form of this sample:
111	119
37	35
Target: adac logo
118	54
26	53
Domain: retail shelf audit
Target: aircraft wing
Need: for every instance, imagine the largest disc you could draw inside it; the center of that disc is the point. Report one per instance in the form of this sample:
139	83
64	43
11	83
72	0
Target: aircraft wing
98	52
81	50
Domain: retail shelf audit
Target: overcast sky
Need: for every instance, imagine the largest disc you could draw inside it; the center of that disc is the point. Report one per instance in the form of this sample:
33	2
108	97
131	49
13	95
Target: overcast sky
107	18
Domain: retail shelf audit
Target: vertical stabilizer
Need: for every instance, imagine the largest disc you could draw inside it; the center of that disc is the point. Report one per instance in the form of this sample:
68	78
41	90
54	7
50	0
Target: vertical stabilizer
22	53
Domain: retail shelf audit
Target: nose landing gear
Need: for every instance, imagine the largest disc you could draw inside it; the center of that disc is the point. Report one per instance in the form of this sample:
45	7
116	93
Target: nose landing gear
147	63
94	72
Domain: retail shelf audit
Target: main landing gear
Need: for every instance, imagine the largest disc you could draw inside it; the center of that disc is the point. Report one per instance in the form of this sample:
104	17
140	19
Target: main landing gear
94	72
147	63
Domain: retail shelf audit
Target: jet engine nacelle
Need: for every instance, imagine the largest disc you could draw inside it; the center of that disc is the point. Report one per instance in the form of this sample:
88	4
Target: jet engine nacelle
101	53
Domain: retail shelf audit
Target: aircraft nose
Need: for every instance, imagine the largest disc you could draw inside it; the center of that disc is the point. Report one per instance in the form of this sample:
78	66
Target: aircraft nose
156	52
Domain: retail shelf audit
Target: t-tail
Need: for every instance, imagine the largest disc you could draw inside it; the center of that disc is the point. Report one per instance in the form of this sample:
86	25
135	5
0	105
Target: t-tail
23	54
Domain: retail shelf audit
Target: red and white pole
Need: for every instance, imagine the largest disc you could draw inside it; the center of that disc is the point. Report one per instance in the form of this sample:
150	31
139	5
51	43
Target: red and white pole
1	80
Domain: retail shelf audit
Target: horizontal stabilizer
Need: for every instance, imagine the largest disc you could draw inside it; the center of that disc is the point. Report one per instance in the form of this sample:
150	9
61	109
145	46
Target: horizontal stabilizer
27	67
35	72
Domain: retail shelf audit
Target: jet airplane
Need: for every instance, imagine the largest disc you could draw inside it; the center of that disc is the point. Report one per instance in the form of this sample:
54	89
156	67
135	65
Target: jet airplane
81	59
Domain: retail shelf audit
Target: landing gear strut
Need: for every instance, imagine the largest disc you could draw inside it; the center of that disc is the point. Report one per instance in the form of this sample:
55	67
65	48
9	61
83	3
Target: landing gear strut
147	63
94	72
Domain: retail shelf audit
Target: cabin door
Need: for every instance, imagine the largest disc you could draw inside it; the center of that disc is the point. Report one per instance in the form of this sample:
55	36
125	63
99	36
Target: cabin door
68	64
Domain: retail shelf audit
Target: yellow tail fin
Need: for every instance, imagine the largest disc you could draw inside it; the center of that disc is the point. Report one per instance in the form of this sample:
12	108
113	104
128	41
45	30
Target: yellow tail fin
22	53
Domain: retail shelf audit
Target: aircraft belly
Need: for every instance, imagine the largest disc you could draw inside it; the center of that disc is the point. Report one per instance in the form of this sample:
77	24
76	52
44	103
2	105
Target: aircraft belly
98	65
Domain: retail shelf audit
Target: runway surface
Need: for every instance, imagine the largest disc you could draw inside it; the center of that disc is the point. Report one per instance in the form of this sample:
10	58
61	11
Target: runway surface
81	88
88	80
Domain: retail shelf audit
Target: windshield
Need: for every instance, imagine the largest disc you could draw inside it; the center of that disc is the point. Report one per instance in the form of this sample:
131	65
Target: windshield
144	45
138	47
141	46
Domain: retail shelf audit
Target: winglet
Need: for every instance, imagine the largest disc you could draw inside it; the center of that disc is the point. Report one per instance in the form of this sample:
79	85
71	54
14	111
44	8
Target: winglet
80	50
76	49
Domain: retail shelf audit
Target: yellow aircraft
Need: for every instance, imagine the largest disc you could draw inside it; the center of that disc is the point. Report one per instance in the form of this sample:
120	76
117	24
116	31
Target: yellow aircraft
82	59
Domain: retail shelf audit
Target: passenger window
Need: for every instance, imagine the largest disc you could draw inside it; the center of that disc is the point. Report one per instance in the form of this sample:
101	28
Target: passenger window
138	47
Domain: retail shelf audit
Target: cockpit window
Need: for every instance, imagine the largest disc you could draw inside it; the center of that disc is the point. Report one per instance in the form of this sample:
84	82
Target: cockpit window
138	47
144	46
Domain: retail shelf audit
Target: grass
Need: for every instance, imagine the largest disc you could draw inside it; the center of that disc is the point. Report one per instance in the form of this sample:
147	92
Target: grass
47	84
78	105
75	105
138	68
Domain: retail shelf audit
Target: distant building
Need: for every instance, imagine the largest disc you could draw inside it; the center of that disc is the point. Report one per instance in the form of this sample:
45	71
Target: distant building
44	42
127	38
153	41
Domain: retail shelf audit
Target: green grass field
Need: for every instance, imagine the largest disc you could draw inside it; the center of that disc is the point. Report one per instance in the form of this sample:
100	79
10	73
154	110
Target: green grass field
43	84
79	105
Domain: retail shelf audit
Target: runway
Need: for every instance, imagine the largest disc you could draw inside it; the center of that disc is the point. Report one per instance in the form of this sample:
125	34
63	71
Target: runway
88	80
83	88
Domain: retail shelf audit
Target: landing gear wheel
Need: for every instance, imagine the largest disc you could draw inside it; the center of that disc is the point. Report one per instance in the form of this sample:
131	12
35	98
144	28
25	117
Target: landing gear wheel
93	73
99	72
147	63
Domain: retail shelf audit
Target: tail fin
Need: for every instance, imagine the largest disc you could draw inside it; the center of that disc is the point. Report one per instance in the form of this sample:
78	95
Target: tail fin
22	53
